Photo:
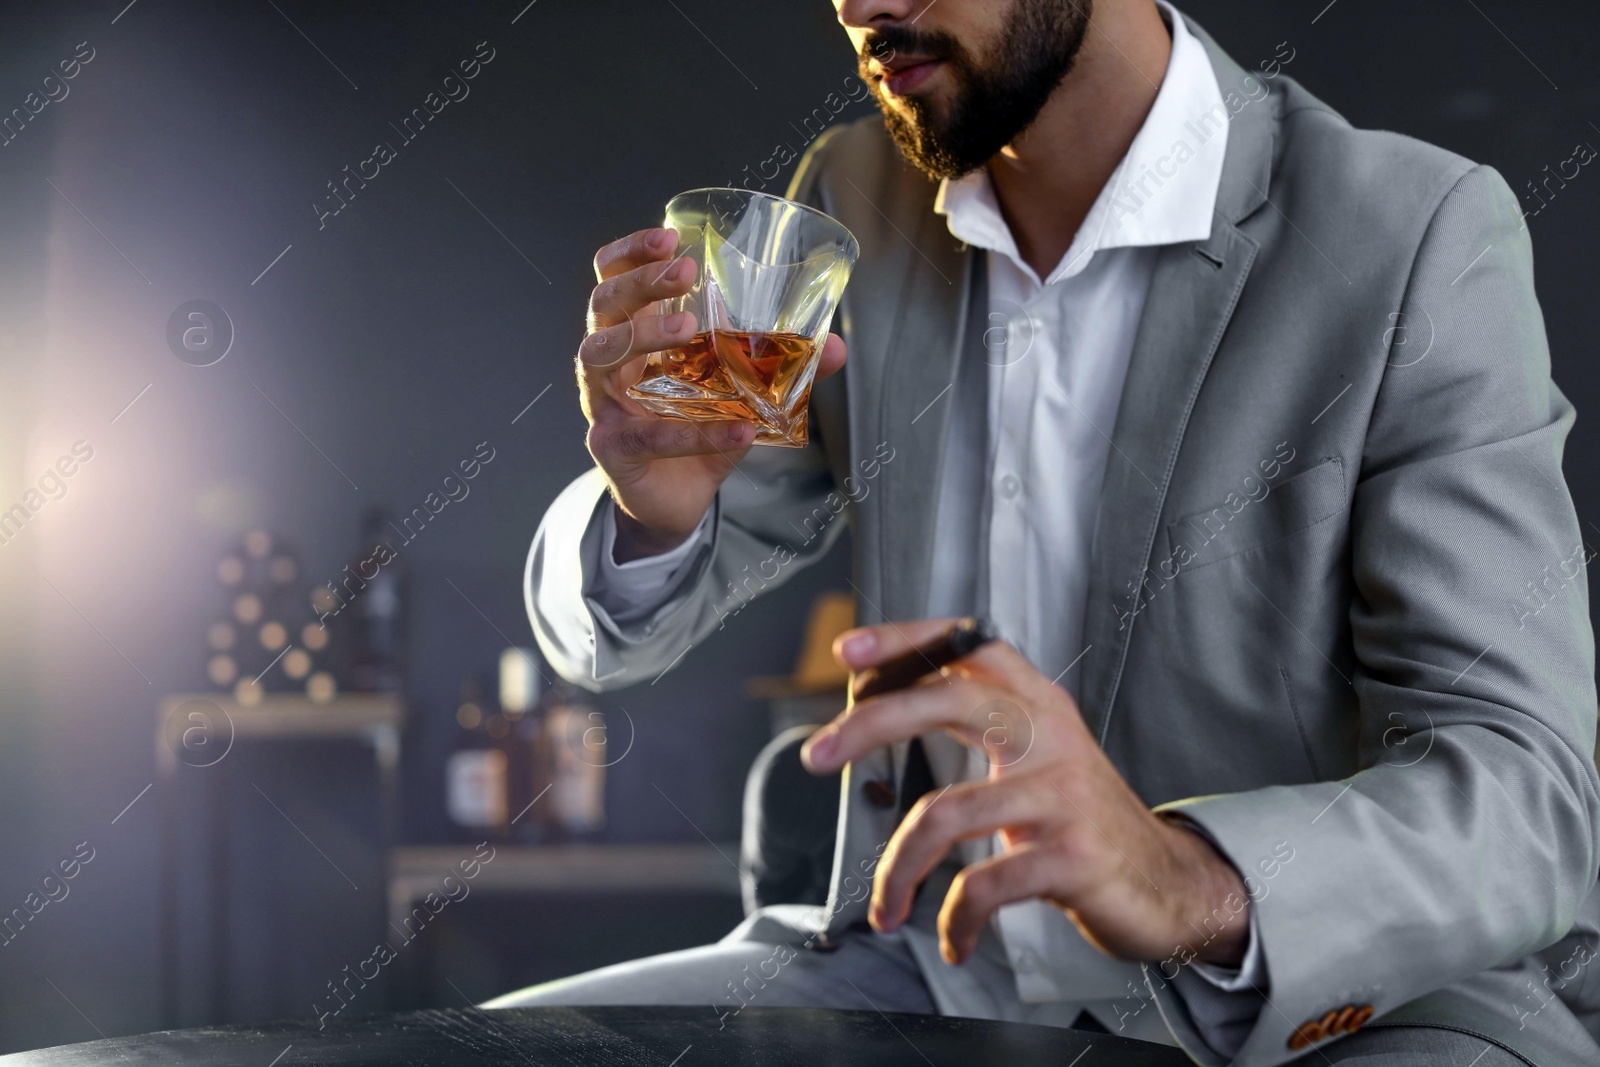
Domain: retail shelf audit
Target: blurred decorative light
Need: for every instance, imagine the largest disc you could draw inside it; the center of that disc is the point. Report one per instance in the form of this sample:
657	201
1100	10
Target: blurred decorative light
247	609
258	543
273	636
220	636
314	637
320	687
222	669
297	664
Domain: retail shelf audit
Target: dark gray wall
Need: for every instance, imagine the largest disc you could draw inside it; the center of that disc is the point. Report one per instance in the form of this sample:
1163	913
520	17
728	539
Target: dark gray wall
409	328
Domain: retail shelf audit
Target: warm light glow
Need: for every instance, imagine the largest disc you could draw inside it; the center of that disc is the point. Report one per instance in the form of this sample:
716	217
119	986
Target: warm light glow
320	688
247	609
222	670
273	636
230	571
258	543
297	664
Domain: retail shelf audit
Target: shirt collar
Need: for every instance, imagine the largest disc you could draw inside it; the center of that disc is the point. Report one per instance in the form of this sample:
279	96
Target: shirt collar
1164	190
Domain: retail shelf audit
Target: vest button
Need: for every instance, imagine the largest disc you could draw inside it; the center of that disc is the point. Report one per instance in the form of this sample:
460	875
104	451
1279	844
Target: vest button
879	793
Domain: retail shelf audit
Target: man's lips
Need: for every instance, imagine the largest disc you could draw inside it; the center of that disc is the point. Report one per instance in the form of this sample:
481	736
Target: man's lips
905	75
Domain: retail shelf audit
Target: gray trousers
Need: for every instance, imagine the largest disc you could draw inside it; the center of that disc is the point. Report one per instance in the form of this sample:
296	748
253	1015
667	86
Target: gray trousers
868	971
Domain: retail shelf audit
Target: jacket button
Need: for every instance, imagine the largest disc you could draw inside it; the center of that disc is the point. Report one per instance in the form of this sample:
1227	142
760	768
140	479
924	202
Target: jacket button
1346	1020
1308	1033
879	793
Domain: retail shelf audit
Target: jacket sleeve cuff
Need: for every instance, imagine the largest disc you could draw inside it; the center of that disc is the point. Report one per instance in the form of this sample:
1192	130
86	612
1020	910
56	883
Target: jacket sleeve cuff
1224	1003
577	634
631	591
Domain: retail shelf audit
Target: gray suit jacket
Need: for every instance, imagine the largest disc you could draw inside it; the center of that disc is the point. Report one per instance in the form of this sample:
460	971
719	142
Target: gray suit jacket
1337	610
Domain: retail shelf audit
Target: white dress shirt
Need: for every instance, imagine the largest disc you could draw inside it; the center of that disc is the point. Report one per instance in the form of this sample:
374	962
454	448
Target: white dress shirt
1057	351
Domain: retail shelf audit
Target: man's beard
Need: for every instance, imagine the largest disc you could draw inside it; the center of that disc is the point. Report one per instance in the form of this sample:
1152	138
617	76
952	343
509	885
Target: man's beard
997	96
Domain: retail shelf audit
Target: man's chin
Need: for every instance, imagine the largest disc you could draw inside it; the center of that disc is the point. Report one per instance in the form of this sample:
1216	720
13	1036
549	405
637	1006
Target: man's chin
915	125
927	104
925	154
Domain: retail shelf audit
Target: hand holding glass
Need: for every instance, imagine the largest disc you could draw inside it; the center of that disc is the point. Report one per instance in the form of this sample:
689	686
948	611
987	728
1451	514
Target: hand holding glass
769	275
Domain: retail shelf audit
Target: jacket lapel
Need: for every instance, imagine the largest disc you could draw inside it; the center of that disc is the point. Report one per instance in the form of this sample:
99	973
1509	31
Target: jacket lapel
911	407
1192	296
919	377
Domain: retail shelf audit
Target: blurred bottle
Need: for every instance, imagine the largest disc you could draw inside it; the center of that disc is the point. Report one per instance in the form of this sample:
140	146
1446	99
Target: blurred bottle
516	760
476	773
575	733
519	681
529	755
377	580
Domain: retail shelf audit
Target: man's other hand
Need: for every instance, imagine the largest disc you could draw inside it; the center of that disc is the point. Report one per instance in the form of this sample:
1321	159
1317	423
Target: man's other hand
1139	886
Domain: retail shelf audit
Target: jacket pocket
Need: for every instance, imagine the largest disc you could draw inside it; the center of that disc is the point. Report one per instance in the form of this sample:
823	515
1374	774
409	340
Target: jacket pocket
1292	505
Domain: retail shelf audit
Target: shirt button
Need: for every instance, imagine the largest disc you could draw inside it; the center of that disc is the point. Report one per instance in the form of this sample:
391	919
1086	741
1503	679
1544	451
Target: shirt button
1010	486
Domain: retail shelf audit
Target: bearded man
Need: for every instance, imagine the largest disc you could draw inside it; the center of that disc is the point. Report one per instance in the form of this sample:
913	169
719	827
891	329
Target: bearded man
1238	422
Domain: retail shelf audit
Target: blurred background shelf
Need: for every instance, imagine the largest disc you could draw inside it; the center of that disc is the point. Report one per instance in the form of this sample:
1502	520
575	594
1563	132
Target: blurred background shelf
697	868
375	716
199	730
659	896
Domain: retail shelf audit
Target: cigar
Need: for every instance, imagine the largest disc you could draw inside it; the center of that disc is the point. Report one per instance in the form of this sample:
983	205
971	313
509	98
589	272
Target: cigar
962	639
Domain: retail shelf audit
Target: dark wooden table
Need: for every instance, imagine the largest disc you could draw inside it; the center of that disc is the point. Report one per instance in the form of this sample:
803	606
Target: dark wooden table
616	1037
